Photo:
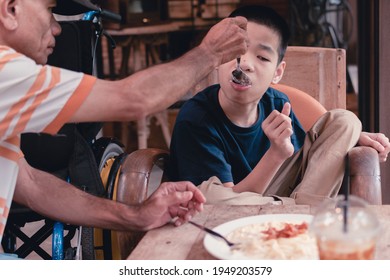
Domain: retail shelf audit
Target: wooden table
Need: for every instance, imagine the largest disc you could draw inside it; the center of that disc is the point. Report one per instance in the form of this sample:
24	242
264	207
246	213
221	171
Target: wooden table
186	242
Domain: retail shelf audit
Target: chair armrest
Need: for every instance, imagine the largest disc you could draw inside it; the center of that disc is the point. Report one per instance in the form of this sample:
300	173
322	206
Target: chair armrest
365	181
365	174
135	173
132	189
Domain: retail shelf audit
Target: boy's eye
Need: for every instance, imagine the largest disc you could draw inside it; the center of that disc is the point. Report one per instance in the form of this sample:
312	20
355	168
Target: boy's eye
262	58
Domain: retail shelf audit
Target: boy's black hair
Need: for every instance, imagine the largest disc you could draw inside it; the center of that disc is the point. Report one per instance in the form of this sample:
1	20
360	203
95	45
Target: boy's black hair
266	16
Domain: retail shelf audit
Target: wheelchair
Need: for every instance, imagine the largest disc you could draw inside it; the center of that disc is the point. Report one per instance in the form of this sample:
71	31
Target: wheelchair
108	154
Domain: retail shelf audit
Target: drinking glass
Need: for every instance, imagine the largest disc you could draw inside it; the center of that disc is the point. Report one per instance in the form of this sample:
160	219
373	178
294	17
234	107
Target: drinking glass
345	229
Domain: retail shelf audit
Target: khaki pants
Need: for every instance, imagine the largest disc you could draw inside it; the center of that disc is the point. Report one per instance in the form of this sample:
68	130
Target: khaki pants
311	175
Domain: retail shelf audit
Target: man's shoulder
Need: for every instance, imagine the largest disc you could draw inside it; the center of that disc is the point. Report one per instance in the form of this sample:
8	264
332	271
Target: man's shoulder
8	54
4	48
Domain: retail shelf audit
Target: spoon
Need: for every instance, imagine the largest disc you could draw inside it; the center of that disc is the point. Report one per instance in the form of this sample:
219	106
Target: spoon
238	76
214	233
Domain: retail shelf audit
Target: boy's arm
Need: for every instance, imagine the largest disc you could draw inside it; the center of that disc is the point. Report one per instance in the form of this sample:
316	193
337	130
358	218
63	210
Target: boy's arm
277	126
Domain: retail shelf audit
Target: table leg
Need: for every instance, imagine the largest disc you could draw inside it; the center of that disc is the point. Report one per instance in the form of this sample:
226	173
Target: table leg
162	118
143	133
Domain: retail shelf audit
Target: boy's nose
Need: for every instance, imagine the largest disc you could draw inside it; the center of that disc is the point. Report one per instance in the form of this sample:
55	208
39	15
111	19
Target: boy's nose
245	64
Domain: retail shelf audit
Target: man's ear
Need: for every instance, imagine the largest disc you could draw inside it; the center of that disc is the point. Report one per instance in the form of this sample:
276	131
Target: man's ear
8	10
279	72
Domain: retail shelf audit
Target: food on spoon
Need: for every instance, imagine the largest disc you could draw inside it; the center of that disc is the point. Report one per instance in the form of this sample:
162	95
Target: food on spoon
239	77
275	240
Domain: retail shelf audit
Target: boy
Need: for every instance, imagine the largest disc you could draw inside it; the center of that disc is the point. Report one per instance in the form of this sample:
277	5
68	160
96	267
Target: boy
247	135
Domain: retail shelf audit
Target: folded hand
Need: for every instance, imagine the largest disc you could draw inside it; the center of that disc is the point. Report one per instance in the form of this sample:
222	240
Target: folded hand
378	141
172	200
277	126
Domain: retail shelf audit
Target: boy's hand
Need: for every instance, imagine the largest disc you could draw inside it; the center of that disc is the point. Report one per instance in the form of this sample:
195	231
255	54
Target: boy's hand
378	141
277	126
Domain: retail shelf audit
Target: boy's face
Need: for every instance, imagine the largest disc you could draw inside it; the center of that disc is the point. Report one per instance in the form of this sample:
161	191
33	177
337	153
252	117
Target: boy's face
260	63
36	29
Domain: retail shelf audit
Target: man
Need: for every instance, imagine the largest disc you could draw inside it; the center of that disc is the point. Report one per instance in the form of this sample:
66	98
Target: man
246	134
37	98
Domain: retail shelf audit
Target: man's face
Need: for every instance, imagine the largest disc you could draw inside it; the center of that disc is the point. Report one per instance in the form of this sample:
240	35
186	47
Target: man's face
260	63
36	30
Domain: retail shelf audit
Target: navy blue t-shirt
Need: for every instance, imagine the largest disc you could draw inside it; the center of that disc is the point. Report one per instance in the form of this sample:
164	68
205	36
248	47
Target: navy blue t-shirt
206	143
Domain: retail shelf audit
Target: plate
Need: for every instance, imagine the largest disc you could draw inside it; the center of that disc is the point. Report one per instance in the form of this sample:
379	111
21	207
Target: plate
218	248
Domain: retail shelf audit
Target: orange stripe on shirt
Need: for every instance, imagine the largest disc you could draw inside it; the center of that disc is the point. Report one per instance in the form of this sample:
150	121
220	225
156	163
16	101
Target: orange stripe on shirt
73	104
6	122
2	227
7	58
15	141
26	116
9	154
3	202
4	48
6	212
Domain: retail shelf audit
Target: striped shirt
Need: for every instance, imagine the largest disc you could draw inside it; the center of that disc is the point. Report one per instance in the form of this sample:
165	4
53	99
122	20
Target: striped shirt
33	98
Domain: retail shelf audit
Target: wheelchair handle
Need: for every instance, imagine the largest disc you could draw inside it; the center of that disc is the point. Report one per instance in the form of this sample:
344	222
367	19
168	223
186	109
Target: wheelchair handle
89	16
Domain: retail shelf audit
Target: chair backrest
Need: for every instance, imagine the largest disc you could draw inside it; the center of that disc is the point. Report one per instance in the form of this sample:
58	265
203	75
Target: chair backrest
314	74
314	80
320	72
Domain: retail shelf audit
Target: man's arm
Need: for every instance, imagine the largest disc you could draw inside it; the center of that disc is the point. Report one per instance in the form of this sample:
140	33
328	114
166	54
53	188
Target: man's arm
157	87
58	200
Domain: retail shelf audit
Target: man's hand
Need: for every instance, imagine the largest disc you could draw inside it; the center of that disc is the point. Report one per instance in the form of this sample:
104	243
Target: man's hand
277	126
378	141
172	200
227	40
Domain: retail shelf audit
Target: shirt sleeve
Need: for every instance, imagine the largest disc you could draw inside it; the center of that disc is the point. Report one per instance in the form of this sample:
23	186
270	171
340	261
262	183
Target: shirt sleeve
37	98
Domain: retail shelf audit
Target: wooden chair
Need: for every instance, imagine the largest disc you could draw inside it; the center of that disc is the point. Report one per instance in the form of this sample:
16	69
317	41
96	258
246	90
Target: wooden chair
321	73
315	82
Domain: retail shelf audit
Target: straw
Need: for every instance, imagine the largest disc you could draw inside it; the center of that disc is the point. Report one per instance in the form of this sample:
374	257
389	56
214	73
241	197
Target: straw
345	191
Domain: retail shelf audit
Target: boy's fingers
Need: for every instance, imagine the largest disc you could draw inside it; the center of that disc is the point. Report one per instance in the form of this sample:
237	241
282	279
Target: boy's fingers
286	109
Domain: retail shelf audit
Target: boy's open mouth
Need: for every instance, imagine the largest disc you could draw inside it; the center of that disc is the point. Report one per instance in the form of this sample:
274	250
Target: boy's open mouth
239	77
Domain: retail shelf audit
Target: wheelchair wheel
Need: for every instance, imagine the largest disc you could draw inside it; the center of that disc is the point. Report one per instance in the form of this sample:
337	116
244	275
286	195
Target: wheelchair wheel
109	155
88	247
106	149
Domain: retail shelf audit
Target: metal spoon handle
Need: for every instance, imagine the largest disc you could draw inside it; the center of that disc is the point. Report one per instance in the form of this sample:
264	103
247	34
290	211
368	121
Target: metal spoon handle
211	232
